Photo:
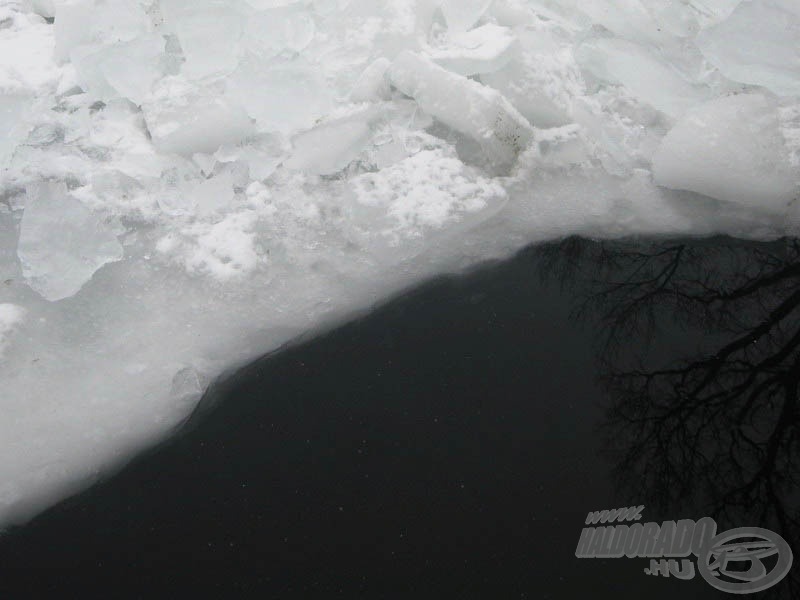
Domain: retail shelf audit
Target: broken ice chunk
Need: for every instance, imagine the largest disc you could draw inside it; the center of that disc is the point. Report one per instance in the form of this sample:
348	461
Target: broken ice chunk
132	68
96	22
87	60
461	15
262	154
206	162
372	86
237	171
730	149
115	187
282	98
270	32
758	44
62	243
210	41
388	150
485	49
329	148
186	119
542	81
127	69
644	75
467	106
181	194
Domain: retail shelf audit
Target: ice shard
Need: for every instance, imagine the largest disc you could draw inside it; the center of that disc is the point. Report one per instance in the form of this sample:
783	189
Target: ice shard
62	243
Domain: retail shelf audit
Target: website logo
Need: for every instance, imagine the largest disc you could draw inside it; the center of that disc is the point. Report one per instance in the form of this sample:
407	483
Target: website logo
738	561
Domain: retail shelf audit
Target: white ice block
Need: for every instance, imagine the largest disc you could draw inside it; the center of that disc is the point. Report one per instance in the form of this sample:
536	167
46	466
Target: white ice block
470	108
643	73
758	44
732	149
127	69
329	148
276	30
372	86
283	98
210	41
186	119
95	22
261	153
542	80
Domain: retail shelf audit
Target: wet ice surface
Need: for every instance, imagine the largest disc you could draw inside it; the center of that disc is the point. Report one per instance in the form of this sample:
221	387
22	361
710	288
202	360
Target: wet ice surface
452	442
187	185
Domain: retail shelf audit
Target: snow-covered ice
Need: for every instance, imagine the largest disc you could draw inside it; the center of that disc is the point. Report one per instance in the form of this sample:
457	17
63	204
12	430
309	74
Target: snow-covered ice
188	184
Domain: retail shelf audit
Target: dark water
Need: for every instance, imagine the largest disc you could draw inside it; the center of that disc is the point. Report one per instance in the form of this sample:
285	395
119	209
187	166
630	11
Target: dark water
452	443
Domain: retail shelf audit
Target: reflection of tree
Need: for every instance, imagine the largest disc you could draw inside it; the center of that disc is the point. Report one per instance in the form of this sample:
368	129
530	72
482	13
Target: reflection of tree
721	426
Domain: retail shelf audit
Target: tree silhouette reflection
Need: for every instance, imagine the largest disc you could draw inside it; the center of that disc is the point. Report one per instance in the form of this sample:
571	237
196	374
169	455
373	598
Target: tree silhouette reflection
718	425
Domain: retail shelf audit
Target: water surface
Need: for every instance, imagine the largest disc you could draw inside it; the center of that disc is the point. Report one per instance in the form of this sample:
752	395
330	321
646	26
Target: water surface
451	443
